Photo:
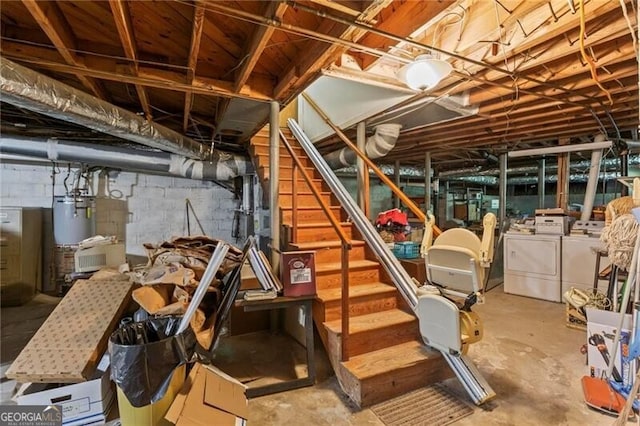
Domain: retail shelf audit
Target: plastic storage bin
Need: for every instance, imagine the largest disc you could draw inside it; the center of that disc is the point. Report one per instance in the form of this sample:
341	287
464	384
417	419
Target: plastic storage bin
406	250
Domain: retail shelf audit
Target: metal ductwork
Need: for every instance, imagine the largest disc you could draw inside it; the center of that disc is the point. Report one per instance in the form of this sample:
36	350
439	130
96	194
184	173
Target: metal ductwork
25	88
221	167
377	146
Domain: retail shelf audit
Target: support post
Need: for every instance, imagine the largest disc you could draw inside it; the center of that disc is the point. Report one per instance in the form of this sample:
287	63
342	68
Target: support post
542	176
624	171
503	190
427	181
396	180
274	177
362	171
562	191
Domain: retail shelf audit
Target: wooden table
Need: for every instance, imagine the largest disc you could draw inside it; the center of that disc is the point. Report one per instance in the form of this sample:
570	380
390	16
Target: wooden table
306	303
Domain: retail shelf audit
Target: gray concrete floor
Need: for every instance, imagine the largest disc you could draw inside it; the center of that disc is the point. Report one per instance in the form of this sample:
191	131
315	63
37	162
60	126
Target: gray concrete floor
528	355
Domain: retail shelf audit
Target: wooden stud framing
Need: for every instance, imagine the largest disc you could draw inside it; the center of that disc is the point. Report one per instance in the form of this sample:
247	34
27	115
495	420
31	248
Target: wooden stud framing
122	18
194	49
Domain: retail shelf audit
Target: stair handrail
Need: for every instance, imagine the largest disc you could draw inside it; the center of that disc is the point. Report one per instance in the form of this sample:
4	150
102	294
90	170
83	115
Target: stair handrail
394	188
345	246
398	274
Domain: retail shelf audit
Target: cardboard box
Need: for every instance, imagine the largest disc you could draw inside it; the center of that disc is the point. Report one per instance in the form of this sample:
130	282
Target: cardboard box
601	326
298	273
209	397
82	403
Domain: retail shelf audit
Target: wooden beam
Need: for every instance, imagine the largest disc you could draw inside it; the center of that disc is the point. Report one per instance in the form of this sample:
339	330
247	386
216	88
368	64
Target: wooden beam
331	4
122	18
562	187
152	77
401	19
194	49
50	18
257	42
319	54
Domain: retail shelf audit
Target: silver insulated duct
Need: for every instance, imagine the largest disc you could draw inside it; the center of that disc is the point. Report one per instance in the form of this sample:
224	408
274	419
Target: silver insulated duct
377	146
25	88
221	167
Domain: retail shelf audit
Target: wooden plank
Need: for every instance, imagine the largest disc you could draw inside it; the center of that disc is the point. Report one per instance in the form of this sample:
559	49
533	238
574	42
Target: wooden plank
69	344
318	54
402	20
52	21
122	18
257	42
383	374
161	79
378	330
364	299
562	185
192	61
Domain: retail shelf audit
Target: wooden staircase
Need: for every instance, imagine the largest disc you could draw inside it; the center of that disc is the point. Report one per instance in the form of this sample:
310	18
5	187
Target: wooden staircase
386	356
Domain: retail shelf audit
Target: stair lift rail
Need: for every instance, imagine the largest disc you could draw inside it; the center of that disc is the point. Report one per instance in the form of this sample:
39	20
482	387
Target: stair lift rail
400	277
471	379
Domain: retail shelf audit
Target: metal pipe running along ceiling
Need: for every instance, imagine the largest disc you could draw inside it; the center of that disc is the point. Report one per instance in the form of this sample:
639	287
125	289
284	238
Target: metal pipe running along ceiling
24	88
221	167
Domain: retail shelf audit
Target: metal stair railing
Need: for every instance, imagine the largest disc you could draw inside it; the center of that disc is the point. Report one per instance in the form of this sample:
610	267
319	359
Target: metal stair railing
473	382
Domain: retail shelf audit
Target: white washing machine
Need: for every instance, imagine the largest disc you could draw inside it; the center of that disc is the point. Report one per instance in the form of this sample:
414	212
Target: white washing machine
533	265
579	263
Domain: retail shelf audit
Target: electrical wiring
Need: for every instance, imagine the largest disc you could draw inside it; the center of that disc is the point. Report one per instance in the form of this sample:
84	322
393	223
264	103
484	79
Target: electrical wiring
623	5
587	58
90	53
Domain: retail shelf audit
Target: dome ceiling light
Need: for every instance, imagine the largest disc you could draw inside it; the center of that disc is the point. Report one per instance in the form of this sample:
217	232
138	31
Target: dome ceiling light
425	72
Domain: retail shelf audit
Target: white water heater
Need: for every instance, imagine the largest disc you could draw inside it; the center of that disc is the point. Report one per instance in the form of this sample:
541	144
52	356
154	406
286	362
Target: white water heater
74	219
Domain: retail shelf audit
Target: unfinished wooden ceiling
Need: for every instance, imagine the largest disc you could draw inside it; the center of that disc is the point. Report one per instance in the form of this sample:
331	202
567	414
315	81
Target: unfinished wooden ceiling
181	63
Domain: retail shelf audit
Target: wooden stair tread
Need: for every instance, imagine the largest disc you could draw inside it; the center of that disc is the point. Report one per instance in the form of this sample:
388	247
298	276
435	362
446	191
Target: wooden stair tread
373	321
386	360
353	264
311	208
320	224
332	294
314	245
304	192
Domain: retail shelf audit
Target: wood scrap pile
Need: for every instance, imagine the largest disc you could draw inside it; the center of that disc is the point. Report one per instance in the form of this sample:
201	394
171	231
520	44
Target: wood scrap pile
172	274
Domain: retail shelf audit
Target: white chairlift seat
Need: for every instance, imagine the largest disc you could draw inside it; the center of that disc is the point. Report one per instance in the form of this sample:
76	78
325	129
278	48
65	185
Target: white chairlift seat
455	265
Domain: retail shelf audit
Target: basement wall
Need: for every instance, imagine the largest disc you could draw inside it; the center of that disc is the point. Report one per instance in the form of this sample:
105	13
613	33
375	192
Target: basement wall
135	207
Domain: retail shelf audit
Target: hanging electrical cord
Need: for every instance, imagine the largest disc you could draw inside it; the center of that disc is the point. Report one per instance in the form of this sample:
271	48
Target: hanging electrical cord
623	5
587	58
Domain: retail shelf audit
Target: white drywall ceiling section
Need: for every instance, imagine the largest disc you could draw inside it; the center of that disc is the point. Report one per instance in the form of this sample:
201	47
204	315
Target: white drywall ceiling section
345	102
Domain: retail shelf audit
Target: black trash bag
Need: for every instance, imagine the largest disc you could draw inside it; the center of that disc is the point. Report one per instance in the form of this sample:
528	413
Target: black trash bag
144	356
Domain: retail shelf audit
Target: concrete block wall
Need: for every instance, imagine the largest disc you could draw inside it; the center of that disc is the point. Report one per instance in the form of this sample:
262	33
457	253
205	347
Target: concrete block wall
137	208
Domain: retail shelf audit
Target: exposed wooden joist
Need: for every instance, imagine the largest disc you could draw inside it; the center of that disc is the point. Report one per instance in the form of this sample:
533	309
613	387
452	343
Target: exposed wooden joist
319	54
332	4
50	18
194	49
257	43
402	20
254	48
122	18
161	79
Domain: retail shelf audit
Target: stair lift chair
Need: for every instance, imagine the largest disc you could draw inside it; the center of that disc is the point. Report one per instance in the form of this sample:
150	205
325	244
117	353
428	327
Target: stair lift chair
456	265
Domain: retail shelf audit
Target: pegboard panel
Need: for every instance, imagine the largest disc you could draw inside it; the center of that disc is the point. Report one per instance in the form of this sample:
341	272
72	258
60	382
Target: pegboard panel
71	341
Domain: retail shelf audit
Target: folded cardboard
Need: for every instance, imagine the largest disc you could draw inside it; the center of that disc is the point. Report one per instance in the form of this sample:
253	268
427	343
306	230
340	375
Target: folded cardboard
209	397
601	327
81	403
68	346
